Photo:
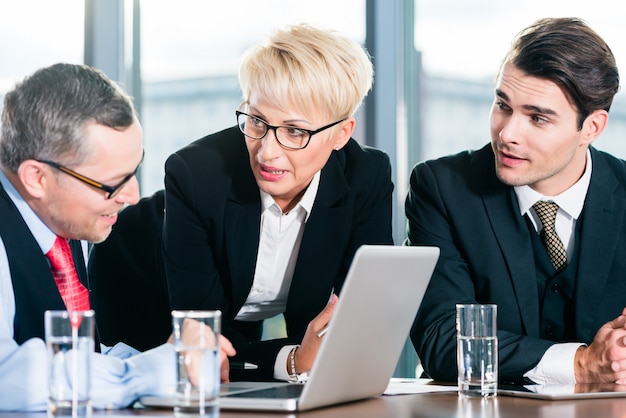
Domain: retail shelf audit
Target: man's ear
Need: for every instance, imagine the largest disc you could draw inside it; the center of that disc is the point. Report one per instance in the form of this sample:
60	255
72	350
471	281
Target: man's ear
594	125
34	178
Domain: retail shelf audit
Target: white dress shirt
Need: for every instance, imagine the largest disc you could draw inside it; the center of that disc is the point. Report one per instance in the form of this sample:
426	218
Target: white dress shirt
557	364
118	378
279	245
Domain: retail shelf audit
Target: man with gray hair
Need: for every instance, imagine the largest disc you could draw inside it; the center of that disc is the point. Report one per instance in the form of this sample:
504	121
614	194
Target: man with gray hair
71	145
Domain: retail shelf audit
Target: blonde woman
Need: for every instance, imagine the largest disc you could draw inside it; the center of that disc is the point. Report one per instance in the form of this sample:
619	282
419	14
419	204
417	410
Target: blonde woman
263	218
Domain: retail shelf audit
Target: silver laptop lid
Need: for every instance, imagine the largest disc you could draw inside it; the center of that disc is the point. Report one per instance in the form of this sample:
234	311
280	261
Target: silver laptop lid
377	305
371	323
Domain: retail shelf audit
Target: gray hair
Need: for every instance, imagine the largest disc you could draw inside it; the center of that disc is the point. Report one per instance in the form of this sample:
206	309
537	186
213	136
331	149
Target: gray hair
44	115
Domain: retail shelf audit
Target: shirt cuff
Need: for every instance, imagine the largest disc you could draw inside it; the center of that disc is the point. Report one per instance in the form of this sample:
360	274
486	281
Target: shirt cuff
117	383
280	366
119	350
556	367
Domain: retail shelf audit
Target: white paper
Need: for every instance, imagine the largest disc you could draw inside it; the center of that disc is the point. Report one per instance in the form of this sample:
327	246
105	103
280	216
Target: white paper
404	386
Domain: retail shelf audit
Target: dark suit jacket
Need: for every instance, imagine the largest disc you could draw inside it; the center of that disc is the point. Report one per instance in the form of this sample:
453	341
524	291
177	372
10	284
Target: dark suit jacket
458	204
211	233
128	278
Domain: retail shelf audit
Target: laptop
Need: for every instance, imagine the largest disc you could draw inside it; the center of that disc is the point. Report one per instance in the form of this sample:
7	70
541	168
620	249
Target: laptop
377	305
376	308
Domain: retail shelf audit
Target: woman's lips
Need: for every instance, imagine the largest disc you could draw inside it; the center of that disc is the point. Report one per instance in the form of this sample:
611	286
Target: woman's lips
271	173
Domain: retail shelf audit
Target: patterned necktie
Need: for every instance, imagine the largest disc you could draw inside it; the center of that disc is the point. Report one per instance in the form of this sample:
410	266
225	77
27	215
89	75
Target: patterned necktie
73	293
547	214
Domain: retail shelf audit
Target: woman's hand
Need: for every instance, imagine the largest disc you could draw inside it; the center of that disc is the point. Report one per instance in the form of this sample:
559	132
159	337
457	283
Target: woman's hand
307	352
226	350
197	334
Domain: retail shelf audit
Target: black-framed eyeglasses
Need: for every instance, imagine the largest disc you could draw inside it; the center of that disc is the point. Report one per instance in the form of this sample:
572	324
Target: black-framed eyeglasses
110	190
288	136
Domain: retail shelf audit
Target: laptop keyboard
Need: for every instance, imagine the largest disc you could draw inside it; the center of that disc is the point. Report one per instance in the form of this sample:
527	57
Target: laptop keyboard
280	392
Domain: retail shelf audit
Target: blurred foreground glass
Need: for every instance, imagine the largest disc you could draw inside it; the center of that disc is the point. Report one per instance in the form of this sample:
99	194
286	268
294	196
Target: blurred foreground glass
70	342
196	341
477	350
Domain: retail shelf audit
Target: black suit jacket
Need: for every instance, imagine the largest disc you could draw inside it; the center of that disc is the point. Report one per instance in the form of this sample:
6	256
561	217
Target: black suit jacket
211	234
128	278
458	204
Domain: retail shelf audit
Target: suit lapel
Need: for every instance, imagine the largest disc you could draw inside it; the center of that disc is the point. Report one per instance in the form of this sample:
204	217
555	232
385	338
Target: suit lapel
326	224
602	220
511	232
242	219
79	262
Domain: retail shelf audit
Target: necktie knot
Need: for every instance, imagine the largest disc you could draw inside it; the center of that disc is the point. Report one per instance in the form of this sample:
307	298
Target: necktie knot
74	294
546	211
60	256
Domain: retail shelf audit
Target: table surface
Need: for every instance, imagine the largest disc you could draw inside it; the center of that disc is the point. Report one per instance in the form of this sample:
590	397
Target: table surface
431	405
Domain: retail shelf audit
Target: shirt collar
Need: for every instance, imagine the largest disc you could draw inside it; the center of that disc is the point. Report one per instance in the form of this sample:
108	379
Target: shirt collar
306	203
43	235
571	200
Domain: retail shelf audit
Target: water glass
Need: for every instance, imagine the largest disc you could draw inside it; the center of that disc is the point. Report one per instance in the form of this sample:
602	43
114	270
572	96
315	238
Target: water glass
196	341
69	342
477	350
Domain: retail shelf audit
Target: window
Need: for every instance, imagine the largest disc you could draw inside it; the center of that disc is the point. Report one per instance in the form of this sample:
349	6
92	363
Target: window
37	33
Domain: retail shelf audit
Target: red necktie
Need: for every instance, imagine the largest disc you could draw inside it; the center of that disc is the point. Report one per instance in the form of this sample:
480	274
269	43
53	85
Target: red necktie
73	293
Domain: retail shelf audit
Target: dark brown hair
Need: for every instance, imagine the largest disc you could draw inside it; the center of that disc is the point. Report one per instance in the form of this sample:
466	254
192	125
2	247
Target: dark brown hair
569	53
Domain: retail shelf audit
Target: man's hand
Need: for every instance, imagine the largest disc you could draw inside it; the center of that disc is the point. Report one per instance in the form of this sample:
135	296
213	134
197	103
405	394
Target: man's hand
604	360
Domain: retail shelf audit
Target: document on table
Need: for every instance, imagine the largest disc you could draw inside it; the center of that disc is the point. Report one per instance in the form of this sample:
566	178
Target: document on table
405	386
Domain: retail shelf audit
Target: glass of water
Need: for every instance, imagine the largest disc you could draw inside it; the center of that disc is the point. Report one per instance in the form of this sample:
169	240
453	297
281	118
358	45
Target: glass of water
70	342
477	350
196	342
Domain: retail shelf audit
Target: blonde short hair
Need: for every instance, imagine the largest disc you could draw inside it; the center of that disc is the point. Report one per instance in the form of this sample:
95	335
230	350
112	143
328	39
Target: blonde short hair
317	71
